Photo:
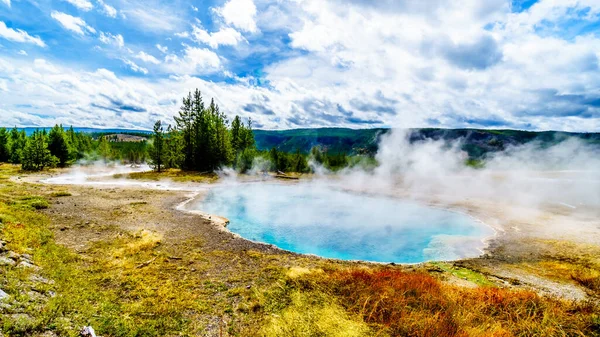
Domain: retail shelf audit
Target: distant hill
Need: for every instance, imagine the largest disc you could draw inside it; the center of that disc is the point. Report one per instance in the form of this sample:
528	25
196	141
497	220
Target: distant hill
30	130
476	142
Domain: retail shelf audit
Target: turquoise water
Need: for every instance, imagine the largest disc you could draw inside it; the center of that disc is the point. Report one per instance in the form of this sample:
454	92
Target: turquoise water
314	219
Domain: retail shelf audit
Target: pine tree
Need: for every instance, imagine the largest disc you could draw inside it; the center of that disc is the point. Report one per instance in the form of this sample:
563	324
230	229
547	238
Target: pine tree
157	150
58	146
18	140
185	124
236	129
36	155
104	149
4	146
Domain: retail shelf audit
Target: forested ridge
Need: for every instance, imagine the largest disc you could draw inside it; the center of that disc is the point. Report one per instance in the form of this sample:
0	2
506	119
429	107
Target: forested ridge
201	138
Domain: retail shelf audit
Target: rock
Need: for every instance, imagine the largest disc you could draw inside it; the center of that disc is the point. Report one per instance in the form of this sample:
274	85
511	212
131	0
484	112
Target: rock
2	246
13	256
5	261
26	265
27	257
87	331
39	279
3	295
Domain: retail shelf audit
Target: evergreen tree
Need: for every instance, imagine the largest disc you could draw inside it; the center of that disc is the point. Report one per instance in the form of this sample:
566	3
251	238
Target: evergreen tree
18	140
157	150
36	155
104	148
4	146
58	145
185	124
236	130
173	148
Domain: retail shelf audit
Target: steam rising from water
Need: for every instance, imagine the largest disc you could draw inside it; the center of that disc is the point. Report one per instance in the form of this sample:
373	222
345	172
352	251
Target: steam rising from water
567	173
520	178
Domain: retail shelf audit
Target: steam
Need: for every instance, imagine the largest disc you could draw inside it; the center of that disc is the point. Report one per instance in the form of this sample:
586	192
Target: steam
567	173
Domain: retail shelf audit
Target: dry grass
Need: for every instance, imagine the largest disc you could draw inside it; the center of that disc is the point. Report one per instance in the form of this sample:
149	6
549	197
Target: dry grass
172	174
398	303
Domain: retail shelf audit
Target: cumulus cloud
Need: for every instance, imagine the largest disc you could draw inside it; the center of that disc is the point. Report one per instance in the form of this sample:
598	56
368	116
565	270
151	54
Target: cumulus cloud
224	37
19	35
133	66
240	14
194	61
163	49
147	58
110	39
72	23
84	5
467	63
107	9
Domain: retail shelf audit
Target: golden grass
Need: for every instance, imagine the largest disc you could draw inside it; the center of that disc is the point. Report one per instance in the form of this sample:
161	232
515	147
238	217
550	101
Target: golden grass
172	174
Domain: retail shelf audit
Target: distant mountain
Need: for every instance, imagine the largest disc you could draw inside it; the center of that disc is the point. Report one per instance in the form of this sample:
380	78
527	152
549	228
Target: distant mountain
476	142
30	130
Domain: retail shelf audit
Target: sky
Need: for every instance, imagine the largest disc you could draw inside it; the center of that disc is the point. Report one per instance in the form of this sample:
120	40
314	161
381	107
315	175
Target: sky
520	64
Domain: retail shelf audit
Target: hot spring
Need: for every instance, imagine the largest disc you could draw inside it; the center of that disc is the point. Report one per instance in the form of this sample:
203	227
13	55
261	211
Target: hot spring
333	223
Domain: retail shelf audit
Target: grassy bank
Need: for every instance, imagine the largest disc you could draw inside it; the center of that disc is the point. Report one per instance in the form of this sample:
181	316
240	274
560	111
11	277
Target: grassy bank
126	276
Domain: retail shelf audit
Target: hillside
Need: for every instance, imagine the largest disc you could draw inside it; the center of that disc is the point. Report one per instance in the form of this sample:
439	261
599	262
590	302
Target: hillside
476	142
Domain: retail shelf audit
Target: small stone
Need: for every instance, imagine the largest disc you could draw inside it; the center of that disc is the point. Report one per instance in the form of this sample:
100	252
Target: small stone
27	257
4	261
3	295
26	265
39	279
13	255
87	331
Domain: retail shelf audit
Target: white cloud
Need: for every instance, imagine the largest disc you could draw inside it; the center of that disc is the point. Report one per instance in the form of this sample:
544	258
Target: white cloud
84	5
135	67
353	63
163	49
240	14
22	52
155	19
194	8
3	85
19	35
107	9
72	23
194	61
7	2
147	58
108	38
224	37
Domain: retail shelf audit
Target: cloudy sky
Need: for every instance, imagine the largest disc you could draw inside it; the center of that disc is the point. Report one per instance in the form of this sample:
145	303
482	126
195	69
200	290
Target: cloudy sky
521	64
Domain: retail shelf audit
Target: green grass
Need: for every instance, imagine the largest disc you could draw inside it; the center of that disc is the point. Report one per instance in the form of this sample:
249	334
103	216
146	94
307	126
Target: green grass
463	273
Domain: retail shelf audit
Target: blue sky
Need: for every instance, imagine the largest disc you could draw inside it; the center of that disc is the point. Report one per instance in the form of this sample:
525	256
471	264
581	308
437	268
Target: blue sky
521	64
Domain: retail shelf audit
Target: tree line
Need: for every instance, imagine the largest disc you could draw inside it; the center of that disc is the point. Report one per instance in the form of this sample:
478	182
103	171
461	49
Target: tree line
201	139
43	149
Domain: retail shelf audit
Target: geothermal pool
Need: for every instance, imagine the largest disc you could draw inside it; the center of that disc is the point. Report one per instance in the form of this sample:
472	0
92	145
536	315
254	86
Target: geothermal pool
332	223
